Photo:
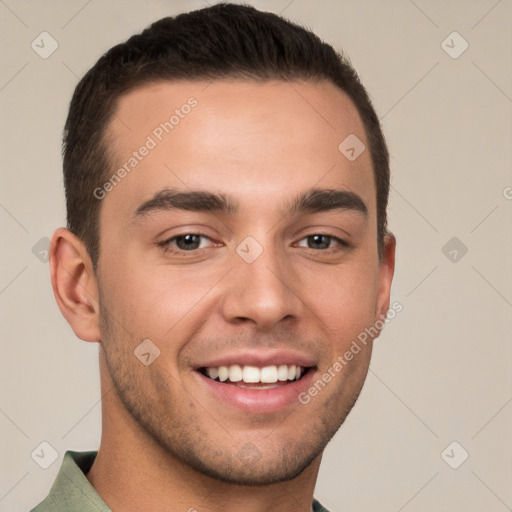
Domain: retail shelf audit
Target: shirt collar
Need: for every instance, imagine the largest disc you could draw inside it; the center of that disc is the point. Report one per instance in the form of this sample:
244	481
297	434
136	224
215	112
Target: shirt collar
72	491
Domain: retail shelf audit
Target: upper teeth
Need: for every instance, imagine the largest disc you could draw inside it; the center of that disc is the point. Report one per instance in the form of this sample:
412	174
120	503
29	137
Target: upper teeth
253	374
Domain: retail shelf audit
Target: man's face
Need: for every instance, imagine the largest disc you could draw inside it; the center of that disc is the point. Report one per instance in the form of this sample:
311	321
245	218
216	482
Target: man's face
243	244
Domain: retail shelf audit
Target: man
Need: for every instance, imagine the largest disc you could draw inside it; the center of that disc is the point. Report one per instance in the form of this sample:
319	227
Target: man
226	183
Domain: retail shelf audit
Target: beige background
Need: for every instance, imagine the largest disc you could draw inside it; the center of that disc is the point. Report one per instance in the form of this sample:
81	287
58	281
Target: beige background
441	371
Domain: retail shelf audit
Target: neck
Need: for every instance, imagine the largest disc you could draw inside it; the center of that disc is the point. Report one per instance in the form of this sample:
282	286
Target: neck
132	473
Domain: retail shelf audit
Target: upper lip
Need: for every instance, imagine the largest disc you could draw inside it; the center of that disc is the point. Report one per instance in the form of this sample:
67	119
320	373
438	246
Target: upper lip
258	358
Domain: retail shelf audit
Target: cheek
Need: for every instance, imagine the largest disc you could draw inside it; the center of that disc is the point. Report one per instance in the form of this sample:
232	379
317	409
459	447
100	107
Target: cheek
157	301
344	298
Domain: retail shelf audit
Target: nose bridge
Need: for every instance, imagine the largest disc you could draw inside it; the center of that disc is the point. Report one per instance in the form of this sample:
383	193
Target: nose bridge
258	289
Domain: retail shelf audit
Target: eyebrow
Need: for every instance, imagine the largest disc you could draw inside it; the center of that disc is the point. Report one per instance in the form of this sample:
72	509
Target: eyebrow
313	201
200	201
322	200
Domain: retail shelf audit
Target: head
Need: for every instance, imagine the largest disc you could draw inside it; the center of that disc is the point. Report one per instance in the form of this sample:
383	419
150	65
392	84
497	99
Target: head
220	42
238	234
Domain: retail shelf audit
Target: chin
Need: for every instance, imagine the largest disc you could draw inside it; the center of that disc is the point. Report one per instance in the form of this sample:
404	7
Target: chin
255	470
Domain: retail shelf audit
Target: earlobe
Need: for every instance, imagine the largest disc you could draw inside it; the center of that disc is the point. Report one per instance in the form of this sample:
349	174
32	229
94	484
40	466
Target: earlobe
386	271
74	284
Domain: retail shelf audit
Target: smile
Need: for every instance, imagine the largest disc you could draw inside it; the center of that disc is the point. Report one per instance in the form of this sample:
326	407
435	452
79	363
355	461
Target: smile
240	374
256	389
255	381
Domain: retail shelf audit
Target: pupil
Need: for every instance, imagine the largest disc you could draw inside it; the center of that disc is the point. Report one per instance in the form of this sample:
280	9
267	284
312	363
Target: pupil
188	242
319	242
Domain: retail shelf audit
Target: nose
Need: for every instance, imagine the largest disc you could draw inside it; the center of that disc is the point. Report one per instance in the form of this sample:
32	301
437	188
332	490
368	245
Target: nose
261	292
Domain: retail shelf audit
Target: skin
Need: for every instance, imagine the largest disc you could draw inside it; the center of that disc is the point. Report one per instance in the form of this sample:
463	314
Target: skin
261	146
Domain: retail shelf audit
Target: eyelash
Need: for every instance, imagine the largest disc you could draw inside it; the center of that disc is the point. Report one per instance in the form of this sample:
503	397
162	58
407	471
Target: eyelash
341	243
167	244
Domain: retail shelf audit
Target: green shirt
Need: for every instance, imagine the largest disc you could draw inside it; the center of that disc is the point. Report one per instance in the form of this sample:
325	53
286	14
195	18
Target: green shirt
71	490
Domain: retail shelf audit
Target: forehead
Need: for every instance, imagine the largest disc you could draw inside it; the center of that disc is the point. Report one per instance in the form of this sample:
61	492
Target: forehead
250	140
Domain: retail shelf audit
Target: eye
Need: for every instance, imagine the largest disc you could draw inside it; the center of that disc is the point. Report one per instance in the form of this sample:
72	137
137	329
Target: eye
320	242
187	242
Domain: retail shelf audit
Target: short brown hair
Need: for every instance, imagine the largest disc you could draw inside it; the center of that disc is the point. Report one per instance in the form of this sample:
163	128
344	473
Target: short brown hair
222	41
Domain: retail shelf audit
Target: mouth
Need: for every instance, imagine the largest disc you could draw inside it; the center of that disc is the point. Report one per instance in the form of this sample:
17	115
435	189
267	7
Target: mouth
254	377
256	387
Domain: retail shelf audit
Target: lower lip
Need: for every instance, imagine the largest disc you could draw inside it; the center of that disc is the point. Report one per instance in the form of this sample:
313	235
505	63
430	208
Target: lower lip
258	400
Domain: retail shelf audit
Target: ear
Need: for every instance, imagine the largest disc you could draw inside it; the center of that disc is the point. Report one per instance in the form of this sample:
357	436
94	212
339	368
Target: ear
386	271
74	284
